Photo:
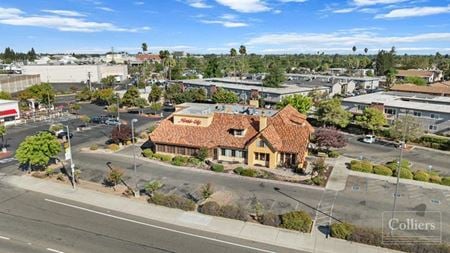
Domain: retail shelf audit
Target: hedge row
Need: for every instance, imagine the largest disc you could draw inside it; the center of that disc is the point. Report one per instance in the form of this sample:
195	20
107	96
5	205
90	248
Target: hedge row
391	168
373	237
172	201
177	160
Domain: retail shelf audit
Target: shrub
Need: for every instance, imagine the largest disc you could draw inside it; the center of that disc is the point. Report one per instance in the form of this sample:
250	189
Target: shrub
202	154
113	147
114	177
143	135
49	172
38	174
147	153
319	180
297	220
180	160
404	173
382	170
334	154
161	157
446	181
249	173
362	166
366	236
217	167
194	161
61	177
93	147
342	230
152	186
393	164
435	179
271	219
210	208
319	165
421	175
239	170
172	201
207	190
233	212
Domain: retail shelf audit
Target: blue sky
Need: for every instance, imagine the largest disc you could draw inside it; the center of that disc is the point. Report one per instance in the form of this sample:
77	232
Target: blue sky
214	26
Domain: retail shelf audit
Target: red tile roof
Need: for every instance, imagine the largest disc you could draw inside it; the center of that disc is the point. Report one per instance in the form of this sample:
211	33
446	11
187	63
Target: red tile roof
286	131
148	57
415	72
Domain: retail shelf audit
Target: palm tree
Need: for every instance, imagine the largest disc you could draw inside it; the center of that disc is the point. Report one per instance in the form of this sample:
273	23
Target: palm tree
354	49
366	50
164	54
243	53
233	54
144	47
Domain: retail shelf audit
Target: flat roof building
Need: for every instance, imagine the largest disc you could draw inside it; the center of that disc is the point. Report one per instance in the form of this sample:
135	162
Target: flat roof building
16	82
432	111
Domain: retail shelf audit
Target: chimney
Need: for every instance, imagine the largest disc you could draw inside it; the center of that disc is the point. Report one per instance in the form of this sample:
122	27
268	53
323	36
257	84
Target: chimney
262	121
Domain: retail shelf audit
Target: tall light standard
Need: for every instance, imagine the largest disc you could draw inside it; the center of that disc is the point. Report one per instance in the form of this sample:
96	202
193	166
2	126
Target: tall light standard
399	163
72	165
136	191
118	112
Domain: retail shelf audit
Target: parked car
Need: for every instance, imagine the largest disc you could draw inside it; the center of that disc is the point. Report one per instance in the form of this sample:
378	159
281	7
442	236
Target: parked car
112	122
369	139
63	134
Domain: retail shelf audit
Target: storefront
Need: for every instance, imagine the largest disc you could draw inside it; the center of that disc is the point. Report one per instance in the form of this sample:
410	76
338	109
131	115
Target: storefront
9	112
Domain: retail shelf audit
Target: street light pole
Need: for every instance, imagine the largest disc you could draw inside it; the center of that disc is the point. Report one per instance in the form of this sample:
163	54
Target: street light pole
136	191
72	165
118	112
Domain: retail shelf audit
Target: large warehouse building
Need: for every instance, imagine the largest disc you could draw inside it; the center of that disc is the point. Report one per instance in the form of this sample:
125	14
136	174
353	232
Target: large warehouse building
15	83
76	73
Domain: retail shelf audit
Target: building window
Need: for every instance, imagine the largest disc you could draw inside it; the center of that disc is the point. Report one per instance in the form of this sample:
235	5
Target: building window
361	107
233	153
238	132
223	151
262	144
434	116
261	156
170	149
390	111
417	114
181	150
432	127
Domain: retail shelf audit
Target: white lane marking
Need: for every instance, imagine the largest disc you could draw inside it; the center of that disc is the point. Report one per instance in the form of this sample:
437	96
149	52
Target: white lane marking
159	227
55	250
4	238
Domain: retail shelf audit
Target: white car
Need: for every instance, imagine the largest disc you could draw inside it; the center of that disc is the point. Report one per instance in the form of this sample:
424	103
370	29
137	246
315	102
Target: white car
112	122
369	138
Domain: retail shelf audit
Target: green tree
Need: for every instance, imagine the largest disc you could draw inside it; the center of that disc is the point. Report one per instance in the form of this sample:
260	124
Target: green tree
109	81
415	80
144	47
37	150
104	96
372	119
384	62
5	95
130	96
275	77
300	102
390	77
2	134
242	66
75	108
155	107
407	127
84	95
330	112
224	96
155	93
43	93
141	103
233	54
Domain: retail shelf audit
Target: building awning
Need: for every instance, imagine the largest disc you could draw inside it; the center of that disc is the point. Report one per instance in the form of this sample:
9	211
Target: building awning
6	113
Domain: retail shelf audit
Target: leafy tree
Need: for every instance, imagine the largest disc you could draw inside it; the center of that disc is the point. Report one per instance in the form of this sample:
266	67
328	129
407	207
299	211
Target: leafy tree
86	119
407	127
155	93
243	53
233	54
275	77
224	96
84	95
104	96
5	95
329	137
372	119
384	62
109	81
155	107
43	93
390	77
114	177
121	134
141	103
300	102
202	154
152	186
75	107
144	47
130	96
331	112
36	150
2	134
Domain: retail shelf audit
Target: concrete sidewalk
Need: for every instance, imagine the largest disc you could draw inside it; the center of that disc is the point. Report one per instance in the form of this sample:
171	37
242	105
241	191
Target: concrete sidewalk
244	230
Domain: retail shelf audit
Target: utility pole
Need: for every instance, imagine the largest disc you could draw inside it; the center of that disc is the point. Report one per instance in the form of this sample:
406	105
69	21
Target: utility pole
72	165
399	167
136	190
118	112
89	81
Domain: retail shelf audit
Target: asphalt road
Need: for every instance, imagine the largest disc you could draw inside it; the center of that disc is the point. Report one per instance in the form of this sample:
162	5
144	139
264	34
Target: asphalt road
362	202
378	153
31	223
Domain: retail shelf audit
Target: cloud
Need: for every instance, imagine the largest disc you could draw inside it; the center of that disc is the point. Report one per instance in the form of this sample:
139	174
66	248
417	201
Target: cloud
16	17
344	39
228	24
139	3
292	1
200	4
375	2
414	12
103	8
66	13
245	6
345	10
